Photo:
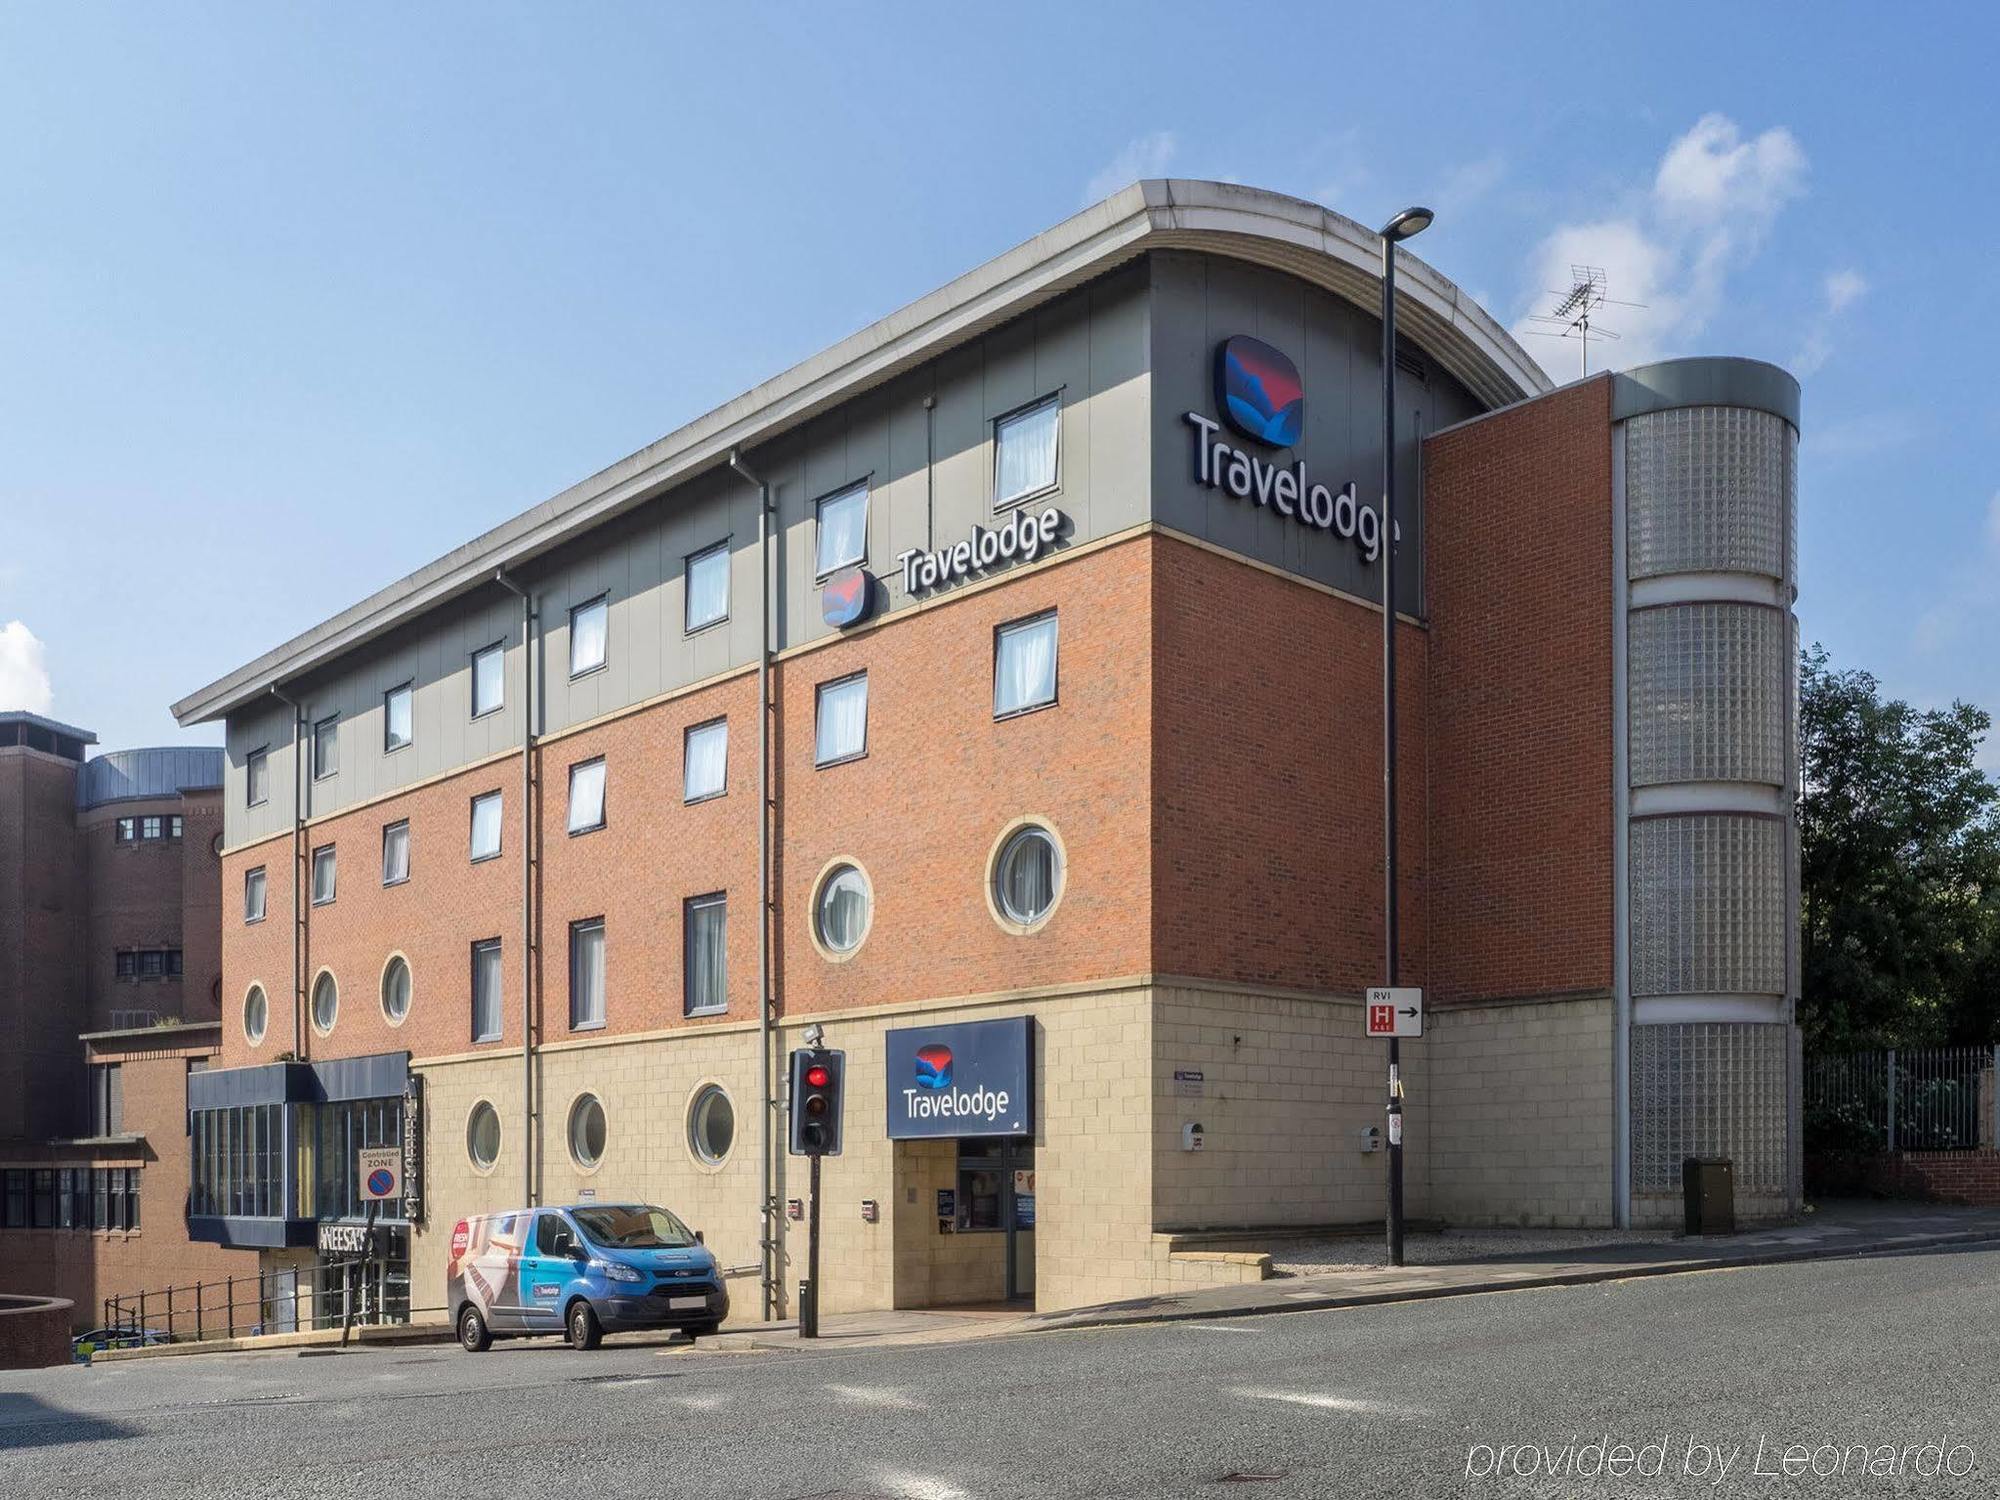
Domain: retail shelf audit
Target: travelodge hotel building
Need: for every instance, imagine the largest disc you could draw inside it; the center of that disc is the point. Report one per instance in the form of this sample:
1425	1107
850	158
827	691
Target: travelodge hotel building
1000	690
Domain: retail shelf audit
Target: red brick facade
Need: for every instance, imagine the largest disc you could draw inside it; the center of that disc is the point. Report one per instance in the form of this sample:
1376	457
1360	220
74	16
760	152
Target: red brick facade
1519	571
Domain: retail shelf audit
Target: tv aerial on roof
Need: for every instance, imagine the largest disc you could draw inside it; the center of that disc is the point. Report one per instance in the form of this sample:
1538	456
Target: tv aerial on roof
1574	315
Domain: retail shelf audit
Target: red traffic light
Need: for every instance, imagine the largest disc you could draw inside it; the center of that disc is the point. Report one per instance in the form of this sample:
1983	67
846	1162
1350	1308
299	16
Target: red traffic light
817	1076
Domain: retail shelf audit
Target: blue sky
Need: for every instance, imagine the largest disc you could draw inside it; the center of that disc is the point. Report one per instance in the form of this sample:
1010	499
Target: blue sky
294	299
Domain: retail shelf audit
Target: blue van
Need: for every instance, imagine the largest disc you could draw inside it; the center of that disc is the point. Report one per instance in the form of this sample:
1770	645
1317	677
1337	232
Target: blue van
586	1269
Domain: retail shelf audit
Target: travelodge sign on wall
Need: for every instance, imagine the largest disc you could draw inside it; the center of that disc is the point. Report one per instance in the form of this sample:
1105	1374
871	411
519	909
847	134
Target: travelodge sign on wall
973	1078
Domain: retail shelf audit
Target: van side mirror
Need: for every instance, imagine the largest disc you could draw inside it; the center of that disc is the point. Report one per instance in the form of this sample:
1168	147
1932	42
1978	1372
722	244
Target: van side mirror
562	1242
698	1238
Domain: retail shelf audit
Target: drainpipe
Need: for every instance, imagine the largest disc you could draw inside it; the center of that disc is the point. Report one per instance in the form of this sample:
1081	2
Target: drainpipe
298	872
527	883
768	1238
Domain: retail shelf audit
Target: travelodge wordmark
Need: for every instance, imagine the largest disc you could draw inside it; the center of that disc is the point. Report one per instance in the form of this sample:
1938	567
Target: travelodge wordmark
973	1078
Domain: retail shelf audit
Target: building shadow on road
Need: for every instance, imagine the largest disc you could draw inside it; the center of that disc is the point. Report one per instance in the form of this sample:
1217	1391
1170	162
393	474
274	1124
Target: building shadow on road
30	1422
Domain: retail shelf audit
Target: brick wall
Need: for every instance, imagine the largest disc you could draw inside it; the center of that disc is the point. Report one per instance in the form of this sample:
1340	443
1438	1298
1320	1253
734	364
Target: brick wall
1936	1176
1518	562
138	896
42	923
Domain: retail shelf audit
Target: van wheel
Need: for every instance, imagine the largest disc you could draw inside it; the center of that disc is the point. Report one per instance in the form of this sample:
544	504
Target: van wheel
584	1332
473	1334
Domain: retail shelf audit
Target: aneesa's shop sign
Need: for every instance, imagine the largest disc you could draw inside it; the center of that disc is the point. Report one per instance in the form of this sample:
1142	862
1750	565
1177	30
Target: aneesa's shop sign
974	1078
1258	391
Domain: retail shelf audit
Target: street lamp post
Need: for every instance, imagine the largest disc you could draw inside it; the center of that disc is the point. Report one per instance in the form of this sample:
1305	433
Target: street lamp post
1411	221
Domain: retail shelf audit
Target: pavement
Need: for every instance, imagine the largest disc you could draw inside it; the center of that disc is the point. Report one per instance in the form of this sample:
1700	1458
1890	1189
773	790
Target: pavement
1774	1381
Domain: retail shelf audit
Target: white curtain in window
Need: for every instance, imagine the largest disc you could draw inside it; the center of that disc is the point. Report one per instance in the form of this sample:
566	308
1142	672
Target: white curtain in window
1028	875
707	587
586	975
396	854
707	769
586	796
843	528
587	626
253	896
486	825
488	680
707	921
843	719
1026	460
322	874
843	910
397	708
485	992
1025	673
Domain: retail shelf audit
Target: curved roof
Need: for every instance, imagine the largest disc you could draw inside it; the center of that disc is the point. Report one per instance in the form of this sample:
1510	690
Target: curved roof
1271	229
167	771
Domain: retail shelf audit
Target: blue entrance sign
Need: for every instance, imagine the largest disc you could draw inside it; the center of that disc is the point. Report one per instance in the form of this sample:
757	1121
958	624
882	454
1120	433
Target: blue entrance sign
975	1078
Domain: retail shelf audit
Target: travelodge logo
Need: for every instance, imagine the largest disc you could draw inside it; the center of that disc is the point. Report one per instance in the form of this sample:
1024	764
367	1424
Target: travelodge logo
934	1067
1259	391
843	599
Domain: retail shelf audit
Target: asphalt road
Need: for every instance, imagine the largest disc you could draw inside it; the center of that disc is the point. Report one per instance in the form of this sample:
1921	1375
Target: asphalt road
1411	1400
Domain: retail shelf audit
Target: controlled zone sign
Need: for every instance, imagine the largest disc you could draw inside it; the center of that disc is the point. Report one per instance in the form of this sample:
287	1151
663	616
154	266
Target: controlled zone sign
1396	1012
380	1173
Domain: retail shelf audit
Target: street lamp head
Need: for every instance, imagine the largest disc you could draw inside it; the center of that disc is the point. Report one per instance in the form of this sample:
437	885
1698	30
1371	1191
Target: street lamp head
1407	224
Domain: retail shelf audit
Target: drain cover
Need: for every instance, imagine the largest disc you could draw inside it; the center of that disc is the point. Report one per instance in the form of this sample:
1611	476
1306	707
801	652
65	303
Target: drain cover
1250	1476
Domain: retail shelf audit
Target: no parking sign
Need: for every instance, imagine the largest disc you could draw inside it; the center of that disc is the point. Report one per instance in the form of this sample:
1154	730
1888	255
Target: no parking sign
380	1171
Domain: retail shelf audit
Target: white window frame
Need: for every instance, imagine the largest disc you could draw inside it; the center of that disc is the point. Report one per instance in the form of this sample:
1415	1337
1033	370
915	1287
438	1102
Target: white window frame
498	652
1004	502
332	875
261	878
603	794
499	827
819	705
499	990
689	624
822	568
387	830
326	750
576	929
257	760
600	601
705	901
409	691
688	797
1017	627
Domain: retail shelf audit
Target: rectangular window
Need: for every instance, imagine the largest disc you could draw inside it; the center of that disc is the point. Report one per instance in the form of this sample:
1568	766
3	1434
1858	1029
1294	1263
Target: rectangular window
253	894
323	875
326	747
397	725
69	1210
586	974
14	1208
705	922
486	825
128	964
843	529
396	853
100	1185
1024	451
589	629
115	1211
174	827
151	828
152	963
586	796
842	724
132	1197
486	991
1024	665
107	1099
707	586
489	679
705	769
174	963
128	829
42	1199
256	777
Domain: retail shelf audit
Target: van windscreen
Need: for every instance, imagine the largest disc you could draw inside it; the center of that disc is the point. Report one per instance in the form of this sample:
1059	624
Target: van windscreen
632	1228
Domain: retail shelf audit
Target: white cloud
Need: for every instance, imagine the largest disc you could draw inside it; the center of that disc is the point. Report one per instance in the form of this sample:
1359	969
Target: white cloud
1470	181
1840	291
1708	210
1146	156
24	672
1970	602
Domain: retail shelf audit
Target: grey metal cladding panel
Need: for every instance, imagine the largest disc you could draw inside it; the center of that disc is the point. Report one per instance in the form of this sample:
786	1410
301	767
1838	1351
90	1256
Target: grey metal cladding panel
267	726
119	775
1114	425
1705	380
1197	302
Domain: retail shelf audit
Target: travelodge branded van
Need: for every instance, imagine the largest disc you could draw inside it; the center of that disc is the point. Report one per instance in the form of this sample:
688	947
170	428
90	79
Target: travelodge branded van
586	1269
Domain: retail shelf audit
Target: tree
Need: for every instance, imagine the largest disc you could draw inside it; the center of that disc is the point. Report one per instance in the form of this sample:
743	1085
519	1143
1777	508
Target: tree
1900	877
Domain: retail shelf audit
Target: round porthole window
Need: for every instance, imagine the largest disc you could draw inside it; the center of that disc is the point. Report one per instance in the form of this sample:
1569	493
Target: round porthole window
482	1136
840	916
396	989
1027	877
586	1131
711	1124
325	1002
256	1015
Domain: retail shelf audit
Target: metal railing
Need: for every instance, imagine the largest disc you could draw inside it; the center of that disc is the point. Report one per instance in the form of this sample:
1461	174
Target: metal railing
1903	1099
291	1299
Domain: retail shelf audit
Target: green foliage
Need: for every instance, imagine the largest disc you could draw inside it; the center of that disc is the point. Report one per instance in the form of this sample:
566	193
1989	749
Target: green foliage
1900	868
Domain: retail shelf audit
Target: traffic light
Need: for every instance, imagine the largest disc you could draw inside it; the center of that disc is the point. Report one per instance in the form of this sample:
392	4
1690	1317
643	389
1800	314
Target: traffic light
817	1073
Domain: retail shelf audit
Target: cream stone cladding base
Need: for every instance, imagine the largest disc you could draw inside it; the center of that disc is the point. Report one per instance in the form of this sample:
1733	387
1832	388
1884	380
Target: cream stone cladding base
1502	1103
1521	1113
